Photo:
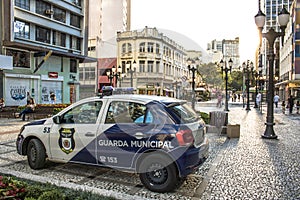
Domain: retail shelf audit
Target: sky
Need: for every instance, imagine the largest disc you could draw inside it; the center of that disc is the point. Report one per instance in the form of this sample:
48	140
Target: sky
202	20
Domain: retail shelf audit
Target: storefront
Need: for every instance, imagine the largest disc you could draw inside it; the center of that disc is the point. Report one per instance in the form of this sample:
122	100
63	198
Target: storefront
16	87
287	88
53	84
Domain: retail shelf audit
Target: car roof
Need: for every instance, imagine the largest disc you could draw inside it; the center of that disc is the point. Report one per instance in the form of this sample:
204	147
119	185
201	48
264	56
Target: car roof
139	97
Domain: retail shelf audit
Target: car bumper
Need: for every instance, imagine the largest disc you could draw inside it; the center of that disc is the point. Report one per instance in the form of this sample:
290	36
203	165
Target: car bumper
19	145
193	158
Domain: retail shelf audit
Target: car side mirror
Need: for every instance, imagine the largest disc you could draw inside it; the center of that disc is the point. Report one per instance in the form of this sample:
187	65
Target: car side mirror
56	119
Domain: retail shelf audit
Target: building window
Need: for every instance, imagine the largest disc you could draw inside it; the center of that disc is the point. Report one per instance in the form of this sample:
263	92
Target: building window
59	39
75	43
150	66
77	2
157	67
150	47
21	29
59	14
142	66
73	66
23	4
43	8
124	48
87	73
20	58
142	47
157	48
75	20
129	48
42	34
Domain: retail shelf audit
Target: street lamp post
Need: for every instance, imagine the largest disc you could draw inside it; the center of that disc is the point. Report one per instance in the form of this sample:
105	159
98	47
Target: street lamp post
193	69
226	69
111	74
256	75
271	35
248	67
131	71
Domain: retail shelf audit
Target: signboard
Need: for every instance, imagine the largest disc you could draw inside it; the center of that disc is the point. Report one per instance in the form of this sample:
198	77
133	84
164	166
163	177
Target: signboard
6	62
53	74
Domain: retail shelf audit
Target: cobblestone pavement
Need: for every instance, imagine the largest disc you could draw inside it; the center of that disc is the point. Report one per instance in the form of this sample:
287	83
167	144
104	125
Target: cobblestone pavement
248	167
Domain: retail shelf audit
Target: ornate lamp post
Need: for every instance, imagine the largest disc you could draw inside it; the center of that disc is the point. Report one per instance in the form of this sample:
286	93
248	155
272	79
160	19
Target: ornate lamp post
271	35
131	71
247	68
111	74
226	69
192	68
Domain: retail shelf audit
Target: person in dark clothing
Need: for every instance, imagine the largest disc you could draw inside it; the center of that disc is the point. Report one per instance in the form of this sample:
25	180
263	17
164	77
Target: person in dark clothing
28	109
291	104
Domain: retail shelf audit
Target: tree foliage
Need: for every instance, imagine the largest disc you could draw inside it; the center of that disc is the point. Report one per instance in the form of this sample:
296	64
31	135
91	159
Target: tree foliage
235	81
210	74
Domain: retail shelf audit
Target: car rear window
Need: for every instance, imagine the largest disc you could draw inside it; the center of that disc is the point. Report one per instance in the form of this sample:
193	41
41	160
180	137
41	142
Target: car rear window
184	112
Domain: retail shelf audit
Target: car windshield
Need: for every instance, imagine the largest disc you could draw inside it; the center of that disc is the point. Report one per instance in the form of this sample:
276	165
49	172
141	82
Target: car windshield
184	112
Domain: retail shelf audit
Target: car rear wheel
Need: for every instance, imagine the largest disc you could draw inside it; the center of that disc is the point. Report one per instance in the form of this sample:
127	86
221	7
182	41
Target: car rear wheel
36	154
158	173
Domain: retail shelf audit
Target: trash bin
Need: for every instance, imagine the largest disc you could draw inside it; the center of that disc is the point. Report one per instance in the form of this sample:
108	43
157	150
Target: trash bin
233	130
219	120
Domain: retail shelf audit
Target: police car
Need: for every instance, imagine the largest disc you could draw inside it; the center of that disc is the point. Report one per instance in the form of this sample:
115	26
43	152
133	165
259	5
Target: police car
160	138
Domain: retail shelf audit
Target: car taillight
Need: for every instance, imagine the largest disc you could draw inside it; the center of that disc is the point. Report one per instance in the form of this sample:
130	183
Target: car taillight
185	137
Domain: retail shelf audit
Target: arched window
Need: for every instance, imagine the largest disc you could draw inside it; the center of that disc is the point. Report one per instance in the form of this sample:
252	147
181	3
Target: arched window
142	47
123	48
129	48
150	47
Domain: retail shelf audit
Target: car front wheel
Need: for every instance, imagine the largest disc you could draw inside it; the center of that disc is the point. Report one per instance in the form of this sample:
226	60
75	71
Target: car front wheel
36	154
158	174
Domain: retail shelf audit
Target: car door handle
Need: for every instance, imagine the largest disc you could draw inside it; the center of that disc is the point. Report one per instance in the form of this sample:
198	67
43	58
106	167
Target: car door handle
89	134
139	135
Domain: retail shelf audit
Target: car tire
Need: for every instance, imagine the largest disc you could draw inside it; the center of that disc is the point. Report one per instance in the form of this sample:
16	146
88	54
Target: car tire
158	173
36	154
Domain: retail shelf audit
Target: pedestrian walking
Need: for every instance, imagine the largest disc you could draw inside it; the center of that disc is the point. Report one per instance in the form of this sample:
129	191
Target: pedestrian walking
276	100
219	103
291	104
258	99
298	106
283	107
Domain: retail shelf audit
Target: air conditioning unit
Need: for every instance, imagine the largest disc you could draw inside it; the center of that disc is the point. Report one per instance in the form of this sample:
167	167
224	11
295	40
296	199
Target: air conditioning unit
49	12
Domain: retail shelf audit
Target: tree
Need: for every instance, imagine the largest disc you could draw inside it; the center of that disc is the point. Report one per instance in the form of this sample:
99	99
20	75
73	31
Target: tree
235	81
210	74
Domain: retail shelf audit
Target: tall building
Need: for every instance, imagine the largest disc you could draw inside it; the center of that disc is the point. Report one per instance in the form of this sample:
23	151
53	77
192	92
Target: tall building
271	8
46	41
225	49
289	71
107	17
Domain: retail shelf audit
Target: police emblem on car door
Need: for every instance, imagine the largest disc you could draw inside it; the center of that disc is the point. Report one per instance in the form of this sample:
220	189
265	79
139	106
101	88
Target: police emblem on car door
66	140
74	137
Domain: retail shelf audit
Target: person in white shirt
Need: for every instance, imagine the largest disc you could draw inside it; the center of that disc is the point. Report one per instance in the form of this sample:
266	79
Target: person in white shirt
276	100
258	99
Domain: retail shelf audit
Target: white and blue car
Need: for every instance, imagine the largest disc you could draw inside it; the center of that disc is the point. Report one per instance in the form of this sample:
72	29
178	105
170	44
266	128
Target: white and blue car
160	138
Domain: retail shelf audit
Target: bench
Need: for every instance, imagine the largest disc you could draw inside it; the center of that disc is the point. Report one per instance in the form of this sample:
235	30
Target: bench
9	112
40	112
